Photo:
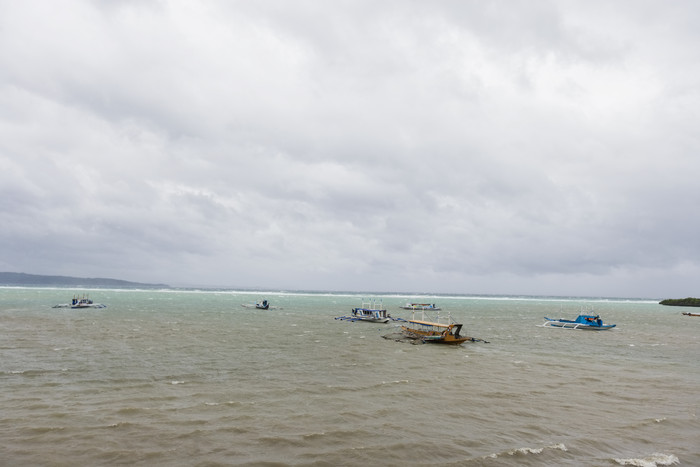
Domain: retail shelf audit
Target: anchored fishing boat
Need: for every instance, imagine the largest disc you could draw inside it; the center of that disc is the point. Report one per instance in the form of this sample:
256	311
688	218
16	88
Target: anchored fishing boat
371	311
420	306
441	331
691	314
259	305
78	302
587	322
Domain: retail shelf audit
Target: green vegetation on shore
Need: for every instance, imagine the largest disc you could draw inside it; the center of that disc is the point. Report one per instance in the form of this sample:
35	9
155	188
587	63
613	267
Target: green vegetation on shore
690	301
22	279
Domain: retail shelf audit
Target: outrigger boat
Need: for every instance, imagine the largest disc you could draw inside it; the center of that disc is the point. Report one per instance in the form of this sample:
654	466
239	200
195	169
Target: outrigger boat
84	302
371	312
259	305
587	322
420	306
441	331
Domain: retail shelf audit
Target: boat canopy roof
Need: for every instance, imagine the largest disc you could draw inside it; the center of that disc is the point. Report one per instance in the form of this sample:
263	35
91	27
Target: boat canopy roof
429	323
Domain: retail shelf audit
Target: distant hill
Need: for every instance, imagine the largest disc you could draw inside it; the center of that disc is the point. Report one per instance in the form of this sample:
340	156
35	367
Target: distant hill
690	301
20	278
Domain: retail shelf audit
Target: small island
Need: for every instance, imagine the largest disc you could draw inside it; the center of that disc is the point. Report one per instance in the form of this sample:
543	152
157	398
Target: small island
690	301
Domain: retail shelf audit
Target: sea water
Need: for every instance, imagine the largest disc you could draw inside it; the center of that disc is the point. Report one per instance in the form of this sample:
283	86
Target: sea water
187	377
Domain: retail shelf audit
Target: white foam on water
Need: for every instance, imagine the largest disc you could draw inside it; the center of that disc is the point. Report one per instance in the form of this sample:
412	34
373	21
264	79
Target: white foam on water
653	460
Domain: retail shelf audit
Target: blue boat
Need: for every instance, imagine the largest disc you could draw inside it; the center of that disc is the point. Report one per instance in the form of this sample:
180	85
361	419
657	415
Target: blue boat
587	322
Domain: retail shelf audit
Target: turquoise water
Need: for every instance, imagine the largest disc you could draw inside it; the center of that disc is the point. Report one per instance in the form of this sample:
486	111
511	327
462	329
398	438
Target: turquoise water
194	378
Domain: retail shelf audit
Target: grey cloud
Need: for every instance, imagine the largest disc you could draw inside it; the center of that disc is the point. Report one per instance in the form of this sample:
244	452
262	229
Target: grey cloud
445	146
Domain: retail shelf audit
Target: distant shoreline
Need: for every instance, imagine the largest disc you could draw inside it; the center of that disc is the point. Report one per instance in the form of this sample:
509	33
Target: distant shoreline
37	280
690	301
14	279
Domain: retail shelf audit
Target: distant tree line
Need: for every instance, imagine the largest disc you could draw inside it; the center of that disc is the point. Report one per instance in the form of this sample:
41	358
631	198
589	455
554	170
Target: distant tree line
690	301
22	279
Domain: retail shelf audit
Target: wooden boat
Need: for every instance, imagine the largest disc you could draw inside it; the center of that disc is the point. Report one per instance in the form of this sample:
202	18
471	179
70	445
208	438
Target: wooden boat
691	314
585	322
441	331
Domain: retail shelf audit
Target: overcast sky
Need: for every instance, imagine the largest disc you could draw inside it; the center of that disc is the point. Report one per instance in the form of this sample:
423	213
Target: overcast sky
485	147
